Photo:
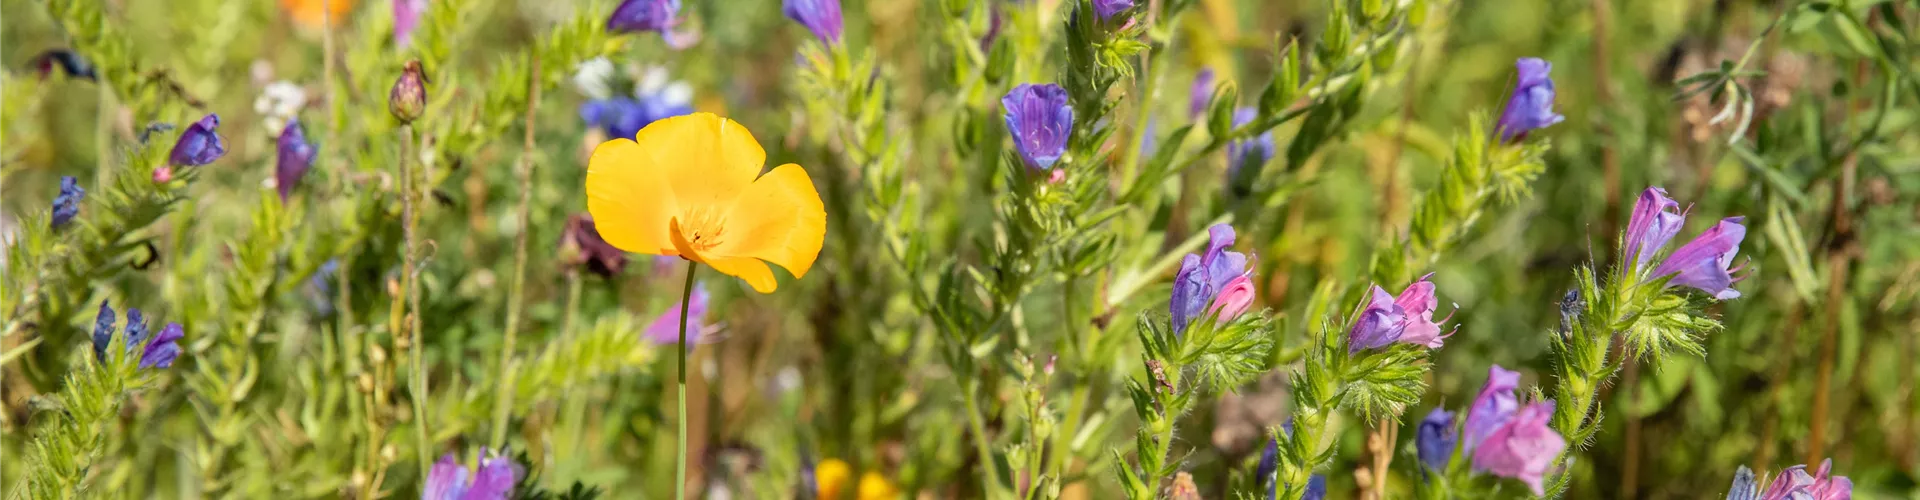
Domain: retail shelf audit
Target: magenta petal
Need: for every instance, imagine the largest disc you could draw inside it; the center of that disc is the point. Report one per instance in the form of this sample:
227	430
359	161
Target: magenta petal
1703	262
666	328
446	481
1523	448
1493	407
1656	218
1233	299
494	481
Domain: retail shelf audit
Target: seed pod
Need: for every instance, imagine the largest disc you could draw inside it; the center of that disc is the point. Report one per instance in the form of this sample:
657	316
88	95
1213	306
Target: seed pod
409	96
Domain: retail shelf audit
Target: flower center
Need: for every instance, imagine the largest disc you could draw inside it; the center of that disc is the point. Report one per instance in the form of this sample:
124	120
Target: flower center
702	228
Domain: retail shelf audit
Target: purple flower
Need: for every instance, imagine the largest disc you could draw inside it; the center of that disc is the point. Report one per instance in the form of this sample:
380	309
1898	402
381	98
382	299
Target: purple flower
582	245
656	99
68	61
1435	440
295	158
659	16
448	480
1703	263
1531	105
1493	407
1105	9
1795	484
1202	277
157	351
406	17
103	330
1202	93
1523	448
67	204
1656	218
1408	318
822	17
1040	120
1744	485
1250	152
666	328
162	349
199	144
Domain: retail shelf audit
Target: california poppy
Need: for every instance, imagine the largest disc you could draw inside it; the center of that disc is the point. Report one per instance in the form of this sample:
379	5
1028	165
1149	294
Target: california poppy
316	13
690	186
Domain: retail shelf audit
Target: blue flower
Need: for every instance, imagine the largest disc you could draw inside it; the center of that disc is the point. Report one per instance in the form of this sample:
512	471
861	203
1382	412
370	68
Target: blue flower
1436	438
822	17
162	349
1201	93
103	330
1105	9
1270	464
199	144
655	99
67	204
157	351
1251	152
659	16
1040	119
295	158
1531	105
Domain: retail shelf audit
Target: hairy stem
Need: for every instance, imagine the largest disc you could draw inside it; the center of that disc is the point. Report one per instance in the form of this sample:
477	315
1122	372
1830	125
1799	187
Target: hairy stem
516	296
417	383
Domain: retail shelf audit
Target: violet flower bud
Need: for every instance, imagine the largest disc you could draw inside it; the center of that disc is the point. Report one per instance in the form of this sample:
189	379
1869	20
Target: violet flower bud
1202	277
408	99
1436	439
162	349
822	17
658	16
67	61
1201	93
1656	218
67	204
1233	299
1264	474
1106	9
1530	107
1381	322
1253	152
295	157
1040	120
1523	448
103	327
199	145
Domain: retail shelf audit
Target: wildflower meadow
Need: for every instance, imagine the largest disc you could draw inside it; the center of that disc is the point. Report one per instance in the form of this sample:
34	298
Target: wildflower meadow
960	249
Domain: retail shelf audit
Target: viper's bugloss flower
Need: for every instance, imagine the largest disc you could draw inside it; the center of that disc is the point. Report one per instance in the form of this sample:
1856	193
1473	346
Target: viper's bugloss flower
1656	218
199	145
67	61
406	17
1263	474
1202	278
1493	407
1250	152
295	157
655	97
155	351
408	98
1201	93
665	329
1106	9
1408	318
1040	120
658	16
1793	484
1522	448
448	480
1704	263
822	17
67	204
1530	107
1435	439
686	186
1233	299
581	245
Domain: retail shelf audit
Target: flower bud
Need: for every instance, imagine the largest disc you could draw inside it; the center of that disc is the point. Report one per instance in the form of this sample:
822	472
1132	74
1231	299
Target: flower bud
409	96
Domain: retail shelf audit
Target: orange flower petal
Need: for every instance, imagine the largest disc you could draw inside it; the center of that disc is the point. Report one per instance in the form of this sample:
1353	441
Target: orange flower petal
750	269
778	219
631	205
707	160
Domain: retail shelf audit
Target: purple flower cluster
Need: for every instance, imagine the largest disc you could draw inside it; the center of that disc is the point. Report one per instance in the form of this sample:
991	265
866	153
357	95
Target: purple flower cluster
295	157
1530	107
1502	437
822	17
658	16
1407	318
655	99
1217	276
1704	263
1041	120
156	351
1793	484
448	480
1270	464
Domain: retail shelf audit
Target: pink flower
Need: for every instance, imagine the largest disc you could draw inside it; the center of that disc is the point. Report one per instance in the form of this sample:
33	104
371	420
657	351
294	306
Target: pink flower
1407	318
1795	484
1523	448
666	328
1233	299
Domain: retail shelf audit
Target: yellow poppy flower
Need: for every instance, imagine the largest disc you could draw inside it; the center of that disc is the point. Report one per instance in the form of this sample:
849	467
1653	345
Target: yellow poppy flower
690	186
314	13
830	478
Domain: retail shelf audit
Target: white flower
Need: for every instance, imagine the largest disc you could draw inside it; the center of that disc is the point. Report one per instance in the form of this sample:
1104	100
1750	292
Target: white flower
278	103
654	83
592	76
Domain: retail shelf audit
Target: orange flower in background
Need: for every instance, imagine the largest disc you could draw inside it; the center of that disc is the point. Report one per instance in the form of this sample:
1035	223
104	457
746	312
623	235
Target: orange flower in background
832	476
690	186
310	13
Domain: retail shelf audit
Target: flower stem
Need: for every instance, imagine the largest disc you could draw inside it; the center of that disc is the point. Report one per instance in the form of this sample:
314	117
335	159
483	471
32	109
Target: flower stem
416	384
516	296
990	471
680	460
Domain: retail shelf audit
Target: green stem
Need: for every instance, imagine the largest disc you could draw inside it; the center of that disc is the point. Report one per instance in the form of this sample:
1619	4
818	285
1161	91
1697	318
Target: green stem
978	427
680	461
417	384
516	299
